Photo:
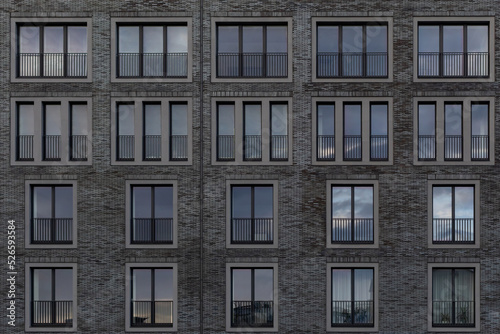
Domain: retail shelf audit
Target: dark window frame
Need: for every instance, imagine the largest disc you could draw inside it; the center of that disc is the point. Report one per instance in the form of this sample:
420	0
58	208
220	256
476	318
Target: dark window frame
48	144
29	143
232	144
118	145
184	138
331	140
145	136
245	146
488	153
72	145
461	142
344	136
279	142
388	140
435	131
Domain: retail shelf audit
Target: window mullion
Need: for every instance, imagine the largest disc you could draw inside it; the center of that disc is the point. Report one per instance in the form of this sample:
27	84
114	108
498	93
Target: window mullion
465	53
252	303
264	48
252	213
441	51
141	50
352	213
41	32
53	297
65	51
153	320
453	273
453	219
352	296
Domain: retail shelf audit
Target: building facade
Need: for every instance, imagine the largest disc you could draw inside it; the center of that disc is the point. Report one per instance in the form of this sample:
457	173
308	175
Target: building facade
266	166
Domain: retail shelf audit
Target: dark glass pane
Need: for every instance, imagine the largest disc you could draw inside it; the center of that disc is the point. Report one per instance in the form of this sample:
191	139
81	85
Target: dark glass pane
141	284
29	39
242	284
263	199
52	119
152	119
141	202
428	38
464	202
264	290
227	39
179	119
226	119
453	38
352	39
479	116
376	38
276	39
341	285
152	39
328	39
42	202
279	120
128	39
164	202
242	202
26	119
441	202
79	120
477	38
426	119
253	125
341	202
378	120
177	39
453	119
53	41
363	202
352	120
63	202
77	39
126	119
253	39
326	119
42	284
64	284
441	286
164	282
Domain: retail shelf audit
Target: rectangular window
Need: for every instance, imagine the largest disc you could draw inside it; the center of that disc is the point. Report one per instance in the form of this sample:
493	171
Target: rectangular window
325	142
352	214
453	50
252	50
126	137
225	132
152	131
51	131
252	136
25	132
480	142
279	131
352	132
358	50
178	132
78	132
152	51
453	131
379	134
427	131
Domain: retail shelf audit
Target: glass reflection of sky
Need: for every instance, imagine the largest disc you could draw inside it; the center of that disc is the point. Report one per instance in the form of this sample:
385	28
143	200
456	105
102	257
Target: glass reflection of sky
479	114
453	119
477	38
253	125
453	39
341	202
242	202
442	202
378	120
279	119
326	119
352	119
227	39
342	280
177	39
242	284
225	119
153	39
428	38
376	38
426	119
352	39
53	39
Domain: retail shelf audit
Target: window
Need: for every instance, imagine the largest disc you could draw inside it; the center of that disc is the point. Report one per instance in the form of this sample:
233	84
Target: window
152	48
51	49
251	131
151	131
51	131
454	48
51	213
151	214
454	131
352	297
51	297
350	131
252	297
454	297
454	213
151	295
353	213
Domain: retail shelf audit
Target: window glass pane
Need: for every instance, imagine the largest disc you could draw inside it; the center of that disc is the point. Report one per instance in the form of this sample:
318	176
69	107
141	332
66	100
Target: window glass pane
426	119
164	202
177	39
64	284
42	284
63	202
279	120
464	285
77	39
79	120
464	202
152	39
428	38
352	119
141	202
141	284
328	39
227	39
179	119
26	119
152	119
263	199
376	38
53	41
341	202
253	39
242	284
363	202
453	38
352	39
363	284
263	284
242	202
341	284
126	119
326	119
128	39
479	119
225	119
164	282
378	120
453	119
477	38
42	202
441	285
252	120
52	119
441	202
276	39
29	39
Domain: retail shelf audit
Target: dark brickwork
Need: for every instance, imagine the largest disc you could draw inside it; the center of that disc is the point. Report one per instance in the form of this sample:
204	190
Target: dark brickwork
403	253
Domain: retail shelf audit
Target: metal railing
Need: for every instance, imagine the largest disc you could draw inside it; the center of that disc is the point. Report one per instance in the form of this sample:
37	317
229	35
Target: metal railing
125	147
453	313
325	148
51	147
51	230
24	147
179	147
252	314
151	313
56	65
252	147
252	231
453	147
152	230
357	230
252	65
352	65
225	147
52	313
352	148
352	313
279	147
426	147
152	147
78	148
152	65
448	230
379	147
480	147
453	64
